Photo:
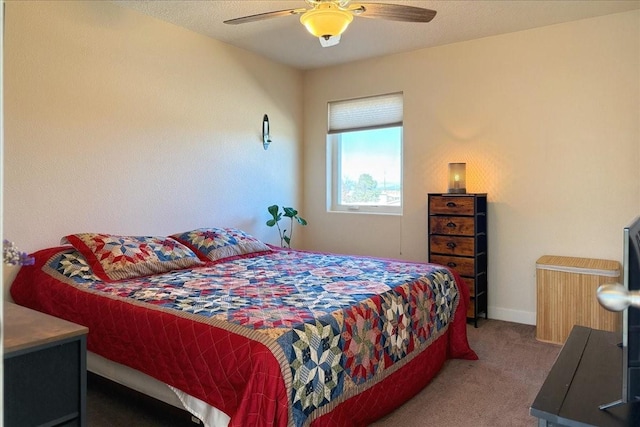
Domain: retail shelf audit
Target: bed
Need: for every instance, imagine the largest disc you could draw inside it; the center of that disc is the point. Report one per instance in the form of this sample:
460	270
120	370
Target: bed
244	333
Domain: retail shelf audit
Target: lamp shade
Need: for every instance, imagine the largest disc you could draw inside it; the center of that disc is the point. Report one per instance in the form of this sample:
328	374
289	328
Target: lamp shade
458	178
326	20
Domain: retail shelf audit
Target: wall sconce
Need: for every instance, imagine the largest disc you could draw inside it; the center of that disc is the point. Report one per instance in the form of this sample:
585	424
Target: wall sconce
457	178
266	138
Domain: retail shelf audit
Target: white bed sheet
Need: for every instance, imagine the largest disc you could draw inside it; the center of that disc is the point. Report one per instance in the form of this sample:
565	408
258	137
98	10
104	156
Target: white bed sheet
143	383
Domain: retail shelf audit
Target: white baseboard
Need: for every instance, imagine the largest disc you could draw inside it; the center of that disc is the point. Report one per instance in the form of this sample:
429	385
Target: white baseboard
509	315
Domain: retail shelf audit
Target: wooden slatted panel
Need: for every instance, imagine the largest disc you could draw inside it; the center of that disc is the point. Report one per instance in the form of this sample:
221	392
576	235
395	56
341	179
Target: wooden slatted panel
566	296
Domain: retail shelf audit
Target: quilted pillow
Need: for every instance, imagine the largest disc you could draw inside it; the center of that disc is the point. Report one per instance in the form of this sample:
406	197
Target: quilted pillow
123	257
213	244
72	264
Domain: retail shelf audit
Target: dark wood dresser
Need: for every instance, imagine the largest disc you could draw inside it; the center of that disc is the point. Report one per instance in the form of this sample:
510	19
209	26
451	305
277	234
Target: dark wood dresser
586	375
458	239
45	369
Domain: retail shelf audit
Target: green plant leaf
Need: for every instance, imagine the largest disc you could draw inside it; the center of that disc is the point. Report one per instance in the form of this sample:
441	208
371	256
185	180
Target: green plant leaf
277	215
290	212
273	210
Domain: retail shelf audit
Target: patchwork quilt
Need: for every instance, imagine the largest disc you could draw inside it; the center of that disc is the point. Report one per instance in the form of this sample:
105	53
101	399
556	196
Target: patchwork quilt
280	338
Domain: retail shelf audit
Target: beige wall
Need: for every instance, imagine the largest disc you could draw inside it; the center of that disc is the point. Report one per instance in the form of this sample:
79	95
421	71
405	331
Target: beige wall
548	122
117	122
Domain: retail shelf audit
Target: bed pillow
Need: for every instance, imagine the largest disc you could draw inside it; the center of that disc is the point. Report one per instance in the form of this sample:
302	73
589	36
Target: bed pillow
213	244
123	257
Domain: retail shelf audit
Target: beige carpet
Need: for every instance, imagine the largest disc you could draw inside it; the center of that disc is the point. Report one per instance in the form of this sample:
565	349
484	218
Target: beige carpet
496	390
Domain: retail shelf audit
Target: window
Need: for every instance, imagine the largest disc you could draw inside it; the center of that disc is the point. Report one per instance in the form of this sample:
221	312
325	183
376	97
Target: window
365	154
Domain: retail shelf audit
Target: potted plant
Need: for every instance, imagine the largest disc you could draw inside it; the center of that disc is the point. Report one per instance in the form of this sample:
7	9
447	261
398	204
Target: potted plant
277	215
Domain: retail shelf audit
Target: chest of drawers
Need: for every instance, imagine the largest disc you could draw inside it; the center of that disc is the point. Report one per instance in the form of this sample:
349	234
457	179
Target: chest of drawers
458	239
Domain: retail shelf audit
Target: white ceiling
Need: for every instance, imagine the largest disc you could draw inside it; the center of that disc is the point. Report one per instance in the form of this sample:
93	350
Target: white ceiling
285	40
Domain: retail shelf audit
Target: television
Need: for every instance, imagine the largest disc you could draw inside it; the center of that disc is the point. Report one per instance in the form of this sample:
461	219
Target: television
626	298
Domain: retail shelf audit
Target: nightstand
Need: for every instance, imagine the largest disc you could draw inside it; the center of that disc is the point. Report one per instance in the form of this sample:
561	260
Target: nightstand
45	369
458	240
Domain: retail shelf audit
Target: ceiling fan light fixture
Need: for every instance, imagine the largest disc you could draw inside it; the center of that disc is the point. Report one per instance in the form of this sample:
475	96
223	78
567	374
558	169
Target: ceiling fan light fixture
329	41
326	20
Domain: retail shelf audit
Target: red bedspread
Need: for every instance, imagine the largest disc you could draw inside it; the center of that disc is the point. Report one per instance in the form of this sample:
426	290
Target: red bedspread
256	369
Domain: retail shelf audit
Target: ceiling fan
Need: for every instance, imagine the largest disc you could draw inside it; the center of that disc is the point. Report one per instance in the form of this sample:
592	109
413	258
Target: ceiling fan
328	19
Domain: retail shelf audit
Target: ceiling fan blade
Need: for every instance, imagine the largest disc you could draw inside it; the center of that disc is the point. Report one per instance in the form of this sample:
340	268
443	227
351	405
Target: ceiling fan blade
266	15
394	12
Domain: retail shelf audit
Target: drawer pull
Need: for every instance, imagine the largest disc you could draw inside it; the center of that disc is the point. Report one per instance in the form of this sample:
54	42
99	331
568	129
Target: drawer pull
451	205
451	245
451	225
452	264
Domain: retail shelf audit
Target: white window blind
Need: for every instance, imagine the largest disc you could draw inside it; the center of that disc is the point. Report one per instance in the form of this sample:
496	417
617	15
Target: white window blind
366	113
